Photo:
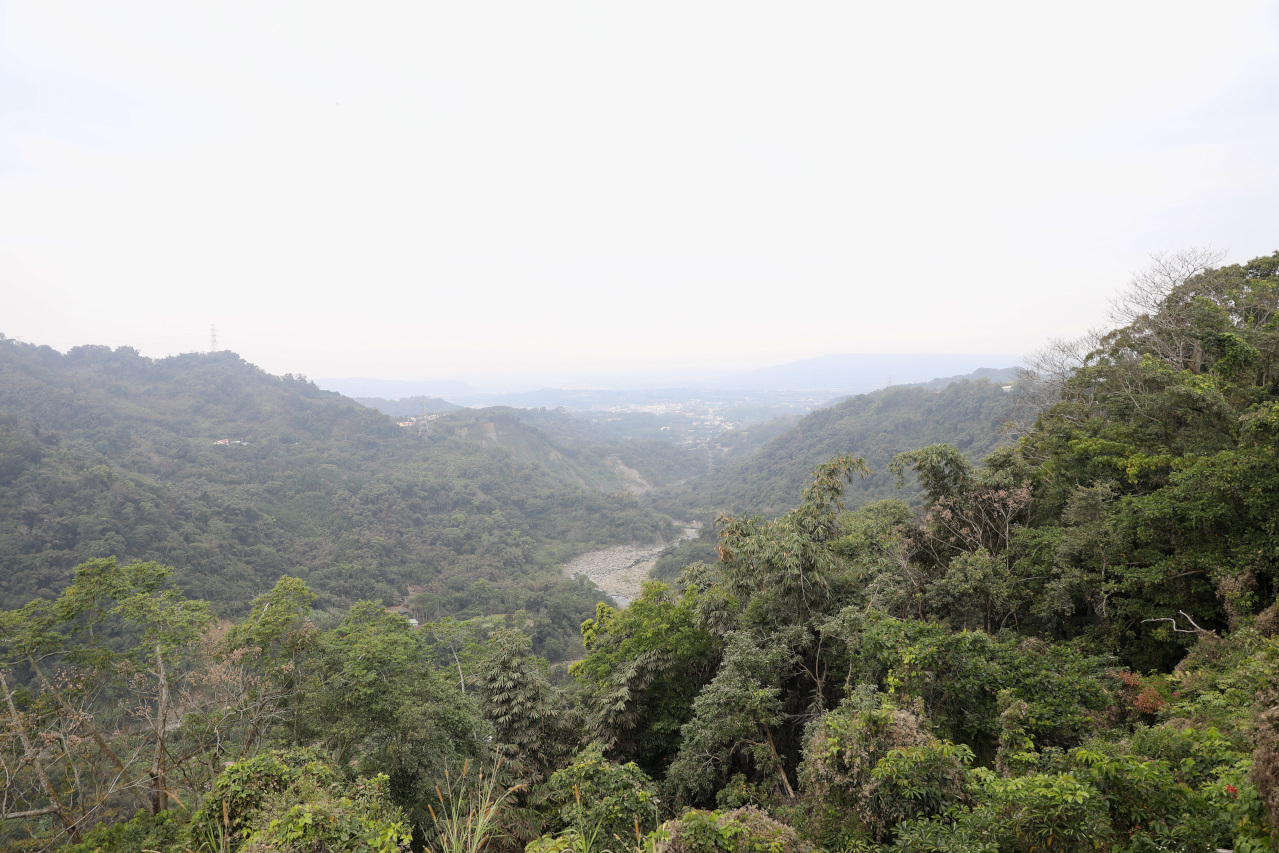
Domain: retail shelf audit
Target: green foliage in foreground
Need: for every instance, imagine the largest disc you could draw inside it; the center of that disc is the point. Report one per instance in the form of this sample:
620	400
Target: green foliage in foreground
856	729
599	798
742	830
289	800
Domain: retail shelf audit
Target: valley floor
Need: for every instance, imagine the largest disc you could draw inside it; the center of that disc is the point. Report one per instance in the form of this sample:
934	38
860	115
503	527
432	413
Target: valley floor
620	571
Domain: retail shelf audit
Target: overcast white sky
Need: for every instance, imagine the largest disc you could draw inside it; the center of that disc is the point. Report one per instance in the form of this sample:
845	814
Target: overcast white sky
448	190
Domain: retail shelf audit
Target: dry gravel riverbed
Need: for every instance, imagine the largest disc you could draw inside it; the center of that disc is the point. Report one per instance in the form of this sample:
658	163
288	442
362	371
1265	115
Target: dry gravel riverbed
621	570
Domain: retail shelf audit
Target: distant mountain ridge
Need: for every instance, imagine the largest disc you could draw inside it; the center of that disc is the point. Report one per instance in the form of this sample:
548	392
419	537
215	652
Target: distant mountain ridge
839	373
408	406
395	389
863	372
1002	375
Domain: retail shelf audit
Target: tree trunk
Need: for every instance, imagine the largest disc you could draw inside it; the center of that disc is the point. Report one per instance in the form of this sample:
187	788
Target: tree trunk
33	755
159	796
781	769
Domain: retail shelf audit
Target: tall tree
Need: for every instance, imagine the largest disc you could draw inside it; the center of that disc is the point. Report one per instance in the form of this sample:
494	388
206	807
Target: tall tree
107	671
643	667
374	698
535	732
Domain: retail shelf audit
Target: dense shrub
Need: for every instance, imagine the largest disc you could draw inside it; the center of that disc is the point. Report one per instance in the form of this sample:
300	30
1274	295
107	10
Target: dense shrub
869	765
597	797
744	830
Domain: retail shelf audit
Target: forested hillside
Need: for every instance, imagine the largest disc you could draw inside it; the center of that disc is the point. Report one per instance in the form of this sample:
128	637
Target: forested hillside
875	426
408	406
236	477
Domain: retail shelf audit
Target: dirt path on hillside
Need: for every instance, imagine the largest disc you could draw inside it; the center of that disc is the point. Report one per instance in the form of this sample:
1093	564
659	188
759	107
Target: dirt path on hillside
620	571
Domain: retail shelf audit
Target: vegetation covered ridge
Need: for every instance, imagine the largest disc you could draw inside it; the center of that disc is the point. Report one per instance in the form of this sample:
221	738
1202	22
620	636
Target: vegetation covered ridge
765	478
233	476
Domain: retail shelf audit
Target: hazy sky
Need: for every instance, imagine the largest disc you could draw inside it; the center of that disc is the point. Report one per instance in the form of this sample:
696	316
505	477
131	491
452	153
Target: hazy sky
446	190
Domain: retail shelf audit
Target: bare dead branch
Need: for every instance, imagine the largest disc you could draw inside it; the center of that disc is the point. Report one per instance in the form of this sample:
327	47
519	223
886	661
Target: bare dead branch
1194	629
30	813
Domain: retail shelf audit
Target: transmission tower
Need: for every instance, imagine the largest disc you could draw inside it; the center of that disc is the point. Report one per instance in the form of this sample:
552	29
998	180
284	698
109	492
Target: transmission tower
213	338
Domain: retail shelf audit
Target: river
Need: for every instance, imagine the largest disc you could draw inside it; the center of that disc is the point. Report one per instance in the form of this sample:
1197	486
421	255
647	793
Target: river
620	571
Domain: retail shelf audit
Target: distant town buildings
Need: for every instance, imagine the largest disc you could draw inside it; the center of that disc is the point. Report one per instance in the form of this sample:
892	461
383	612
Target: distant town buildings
416	420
